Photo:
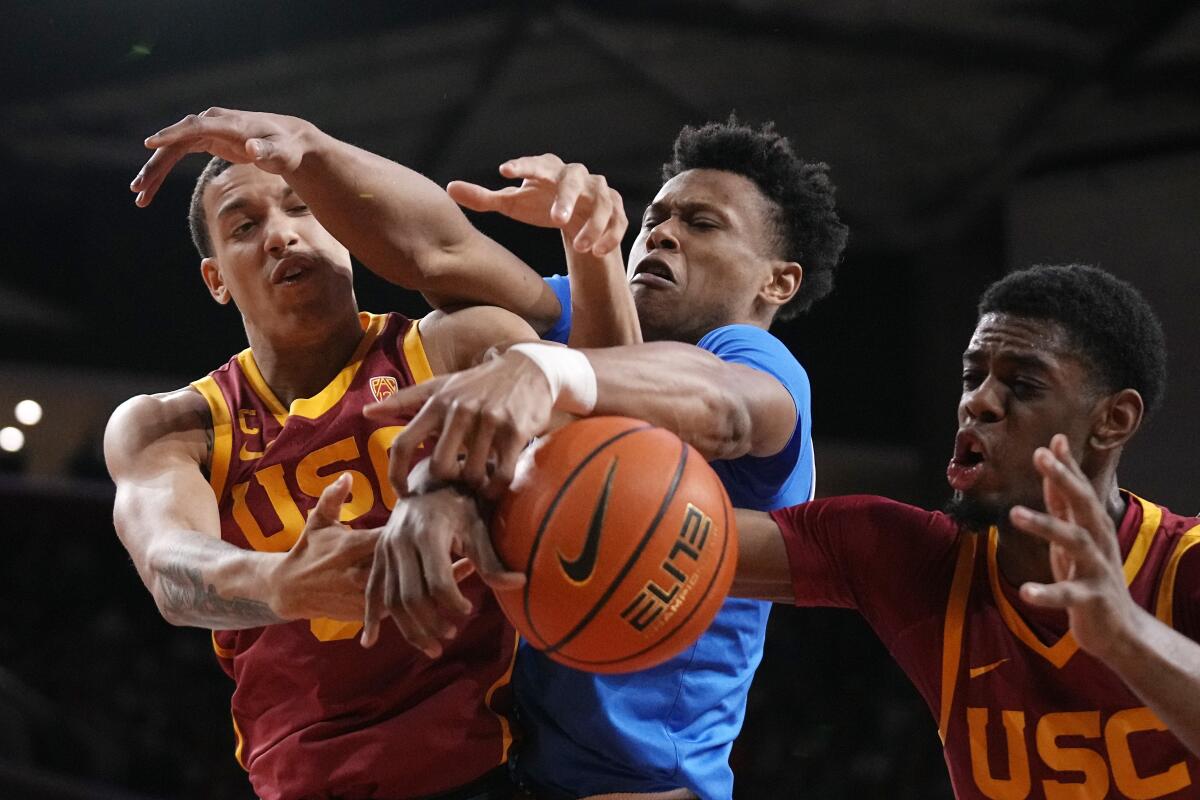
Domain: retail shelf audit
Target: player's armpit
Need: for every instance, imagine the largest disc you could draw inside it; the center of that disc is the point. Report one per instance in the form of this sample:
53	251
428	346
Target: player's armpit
762	570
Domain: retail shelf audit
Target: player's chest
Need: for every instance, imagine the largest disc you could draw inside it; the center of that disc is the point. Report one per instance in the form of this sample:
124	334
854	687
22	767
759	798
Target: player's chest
1033	716
279	467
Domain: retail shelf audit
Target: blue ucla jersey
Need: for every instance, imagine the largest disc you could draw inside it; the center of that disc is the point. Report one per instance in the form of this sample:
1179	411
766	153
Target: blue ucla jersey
672	725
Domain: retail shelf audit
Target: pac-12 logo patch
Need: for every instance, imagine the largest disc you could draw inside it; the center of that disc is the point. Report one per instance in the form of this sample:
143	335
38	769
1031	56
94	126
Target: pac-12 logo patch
383	386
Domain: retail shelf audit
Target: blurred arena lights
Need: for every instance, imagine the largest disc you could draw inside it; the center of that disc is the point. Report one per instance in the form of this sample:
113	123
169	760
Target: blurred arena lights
11	439
29	412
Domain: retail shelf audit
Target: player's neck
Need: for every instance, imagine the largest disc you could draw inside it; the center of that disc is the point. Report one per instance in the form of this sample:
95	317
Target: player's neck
1022	557
301	363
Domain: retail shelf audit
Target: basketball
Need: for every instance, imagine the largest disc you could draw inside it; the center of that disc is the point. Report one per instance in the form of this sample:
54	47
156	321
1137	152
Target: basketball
626	538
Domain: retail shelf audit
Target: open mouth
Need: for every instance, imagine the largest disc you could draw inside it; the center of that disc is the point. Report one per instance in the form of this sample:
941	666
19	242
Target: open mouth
966	465
290	270
653	272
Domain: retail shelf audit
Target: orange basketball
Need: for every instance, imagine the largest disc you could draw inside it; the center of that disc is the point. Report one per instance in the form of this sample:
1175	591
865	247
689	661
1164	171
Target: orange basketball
627	541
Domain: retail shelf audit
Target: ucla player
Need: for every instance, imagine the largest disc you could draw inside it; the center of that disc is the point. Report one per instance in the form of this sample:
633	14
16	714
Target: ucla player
1049	619
253	500
743	233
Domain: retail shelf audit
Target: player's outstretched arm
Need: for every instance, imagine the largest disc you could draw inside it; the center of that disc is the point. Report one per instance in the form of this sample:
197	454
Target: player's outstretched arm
762	570
489	412
396	221
166	516
724	410
1160	665
591	216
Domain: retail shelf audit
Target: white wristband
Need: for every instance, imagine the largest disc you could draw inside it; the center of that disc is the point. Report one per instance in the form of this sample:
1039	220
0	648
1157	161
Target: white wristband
572	379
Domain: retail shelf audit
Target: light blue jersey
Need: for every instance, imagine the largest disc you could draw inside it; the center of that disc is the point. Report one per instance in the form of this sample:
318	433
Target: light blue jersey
672	725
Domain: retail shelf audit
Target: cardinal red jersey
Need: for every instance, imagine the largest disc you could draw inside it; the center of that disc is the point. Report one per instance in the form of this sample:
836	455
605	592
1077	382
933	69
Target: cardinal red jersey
1021	710
315	714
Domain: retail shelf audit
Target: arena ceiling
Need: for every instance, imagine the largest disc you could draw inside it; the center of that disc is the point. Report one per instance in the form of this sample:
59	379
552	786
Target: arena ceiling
926	108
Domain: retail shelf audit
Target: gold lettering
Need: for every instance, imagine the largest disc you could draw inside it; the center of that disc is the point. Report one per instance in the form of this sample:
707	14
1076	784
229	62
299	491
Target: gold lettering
377	451
246	454
1072	759
243	421
1116	735
361	498
1016	786
333	630
291	520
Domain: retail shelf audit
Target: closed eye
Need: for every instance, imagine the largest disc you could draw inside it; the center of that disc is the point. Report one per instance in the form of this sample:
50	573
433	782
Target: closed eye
1024	389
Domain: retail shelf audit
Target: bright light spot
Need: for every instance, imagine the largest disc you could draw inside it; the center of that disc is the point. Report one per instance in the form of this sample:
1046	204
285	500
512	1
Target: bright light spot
11	439
29	412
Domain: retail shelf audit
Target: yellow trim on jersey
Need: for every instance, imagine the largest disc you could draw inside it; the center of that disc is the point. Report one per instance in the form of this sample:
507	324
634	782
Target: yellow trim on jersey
1061	651
503	680
327	398
221	651
414	354
1151	519
1165	607
222	422
956	607
241	742
237	732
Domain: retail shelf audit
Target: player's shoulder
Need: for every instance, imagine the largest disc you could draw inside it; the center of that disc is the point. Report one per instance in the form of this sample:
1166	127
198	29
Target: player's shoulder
1183	534
878	513
1173	524
755	347
160	408
740	336
180	415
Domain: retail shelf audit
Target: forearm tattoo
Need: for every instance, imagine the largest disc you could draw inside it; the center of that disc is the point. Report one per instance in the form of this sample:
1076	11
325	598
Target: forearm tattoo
185	594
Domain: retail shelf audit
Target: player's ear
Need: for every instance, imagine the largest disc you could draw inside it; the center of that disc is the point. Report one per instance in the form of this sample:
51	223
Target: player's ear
210	271
1115	419
783	283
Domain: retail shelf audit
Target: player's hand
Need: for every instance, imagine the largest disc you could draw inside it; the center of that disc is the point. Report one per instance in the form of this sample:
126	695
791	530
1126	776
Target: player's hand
553	195
325	572
272	142
415	574
489	413
1085	558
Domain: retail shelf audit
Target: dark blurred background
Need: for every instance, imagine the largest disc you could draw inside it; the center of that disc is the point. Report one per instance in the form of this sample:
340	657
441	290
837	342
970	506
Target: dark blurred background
967	138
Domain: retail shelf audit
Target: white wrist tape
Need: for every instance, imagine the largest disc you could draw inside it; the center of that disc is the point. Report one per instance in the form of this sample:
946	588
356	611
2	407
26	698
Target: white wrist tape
572	379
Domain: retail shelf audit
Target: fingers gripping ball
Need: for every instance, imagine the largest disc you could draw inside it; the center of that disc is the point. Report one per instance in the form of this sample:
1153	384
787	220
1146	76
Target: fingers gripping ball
627	540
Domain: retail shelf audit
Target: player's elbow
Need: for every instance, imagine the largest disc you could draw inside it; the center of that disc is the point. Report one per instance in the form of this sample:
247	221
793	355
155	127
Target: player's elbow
166	610
440	262
160	575
726	426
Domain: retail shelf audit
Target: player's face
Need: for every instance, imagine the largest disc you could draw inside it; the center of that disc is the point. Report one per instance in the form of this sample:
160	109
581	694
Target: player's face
702	256
1021	385
272	257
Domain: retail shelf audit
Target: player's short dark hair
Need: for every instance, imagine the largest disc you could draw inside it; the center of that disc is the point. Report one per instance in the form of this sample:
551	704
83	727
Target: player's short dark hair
801	193
1107	321
197	220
